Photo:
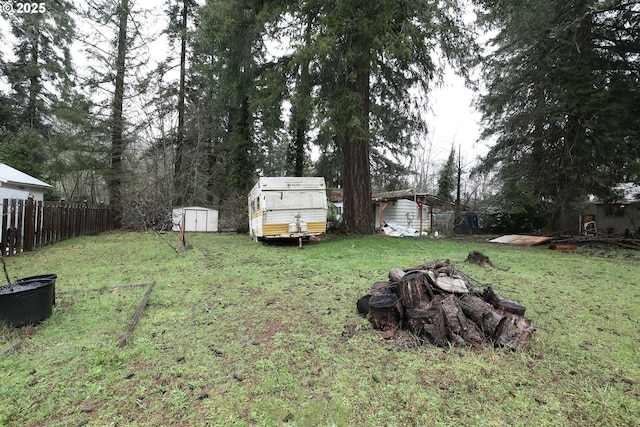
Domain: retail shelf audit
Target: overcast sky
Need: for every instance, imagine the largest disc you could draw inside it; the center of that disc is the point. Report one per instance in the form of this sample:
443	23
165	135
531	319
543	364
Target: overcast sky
454	120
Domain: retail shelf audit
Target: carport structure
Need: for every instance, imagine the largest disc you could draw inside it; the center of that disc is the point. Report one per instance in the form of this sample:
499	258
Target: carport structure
422	200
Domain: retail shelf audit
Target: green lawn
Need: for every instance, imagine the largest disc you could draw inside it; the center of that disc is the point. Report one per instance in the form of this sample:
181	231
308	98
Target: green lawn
239	333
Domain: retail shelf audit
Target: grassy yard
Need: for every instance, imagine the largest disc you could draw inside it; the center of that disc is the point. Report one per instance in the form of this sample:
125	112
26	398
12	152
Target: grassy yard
238	333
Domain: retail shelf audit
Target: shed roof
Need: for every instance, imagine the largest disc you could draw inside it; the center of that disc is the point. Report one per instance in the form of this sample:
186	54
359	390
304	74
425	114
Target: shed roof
428	199
9	175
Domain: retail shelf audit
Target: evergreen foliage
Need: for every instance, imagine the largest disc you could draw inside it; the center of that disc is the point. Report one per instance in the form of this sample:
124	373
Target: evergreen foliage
562	101
253	87
447	178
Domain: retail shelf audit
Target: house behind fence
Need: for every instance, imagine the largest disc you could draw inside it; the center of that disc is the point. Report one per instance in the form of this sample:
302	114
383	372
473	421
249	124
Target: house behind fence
30	224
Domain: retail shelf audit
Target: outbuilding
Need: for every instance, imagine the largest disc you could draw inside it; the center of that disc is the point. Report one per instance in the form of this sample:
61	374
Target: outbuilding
18	185
195	218
620	216
408	209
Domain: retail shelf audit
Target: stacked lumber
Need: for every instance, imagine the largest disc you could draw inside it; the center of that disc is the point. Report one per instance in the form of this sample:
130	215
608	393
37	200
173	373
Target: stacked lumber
436	302
619	241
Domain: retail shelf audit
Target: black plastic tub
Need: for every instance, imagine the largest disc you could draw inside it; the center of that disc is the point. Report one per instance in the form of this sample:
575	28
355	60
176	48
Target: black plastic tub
28	301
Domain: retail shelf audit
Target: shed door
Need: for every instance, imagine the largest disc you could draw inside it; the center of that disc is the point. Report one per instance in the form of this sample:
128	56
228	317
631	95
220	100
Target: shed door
195	220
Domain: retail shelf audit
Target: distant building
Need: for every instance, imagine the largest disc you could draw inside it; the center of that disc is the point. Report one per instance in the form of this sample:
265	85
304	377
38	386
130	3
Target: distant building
621	216
195	218
410	209
15	184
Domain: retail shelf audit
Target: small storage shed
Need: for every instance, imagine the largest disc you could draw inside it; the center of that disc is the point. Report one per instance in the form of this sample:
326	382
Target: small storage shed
15	184
196	218
407	208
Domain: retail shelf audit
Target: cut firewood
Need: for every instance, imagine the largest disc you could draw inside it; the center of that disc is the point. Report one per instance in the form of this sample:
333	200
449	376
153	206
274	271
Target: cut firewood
363	305
413	290
482	313
434	265
460	330
428	322
395	274
385	312
500	302
437	304
380	288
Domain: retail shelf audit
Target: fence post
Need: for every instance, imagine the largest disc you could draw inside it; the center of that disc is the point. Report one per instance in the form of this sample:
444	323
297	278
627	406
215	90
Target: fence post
5	226
29	225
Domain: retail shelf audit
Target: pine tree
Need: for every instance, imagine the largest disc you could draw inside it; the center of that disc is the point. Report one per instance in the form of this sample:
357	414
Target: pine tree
562	102
371	53
39	76
447	178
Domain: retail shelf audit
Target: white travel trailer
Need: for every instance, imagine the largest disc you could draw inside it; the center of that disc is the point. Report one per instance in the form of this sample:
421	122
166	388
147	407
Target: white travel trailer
285	207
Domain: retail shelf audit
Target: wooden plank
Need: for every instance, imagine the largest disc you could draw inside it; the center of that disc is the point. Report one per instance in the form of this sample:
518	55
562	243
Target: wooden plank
563	247
136	317
521	239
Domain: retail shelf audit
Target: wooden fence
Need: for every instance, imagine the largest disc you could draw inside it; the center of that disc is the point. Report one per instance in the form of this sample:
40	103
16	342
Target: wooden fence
27	224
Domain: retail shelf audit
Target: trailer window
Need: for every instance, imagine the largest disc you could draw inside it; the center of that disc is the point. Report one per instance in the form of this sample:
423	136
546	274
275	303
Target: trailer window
255	205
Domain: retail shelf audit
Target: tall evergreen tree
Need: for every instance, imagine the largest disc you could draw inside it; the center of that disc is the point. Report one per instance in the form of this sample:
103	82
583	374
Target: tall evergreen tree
40	74
245	110
368	55
562	101
179	16
447	177
112	79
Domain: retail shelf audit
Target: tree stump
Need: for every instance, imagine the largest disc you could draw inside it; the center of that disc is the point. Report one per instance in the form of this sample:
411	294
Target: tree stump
414	290
428	322
478	258
385	312
514	332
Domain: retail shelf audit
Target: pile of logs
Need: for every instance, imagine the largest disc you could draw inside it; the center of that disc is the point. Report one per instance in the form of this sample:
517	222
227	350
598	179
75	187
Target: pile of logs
437	303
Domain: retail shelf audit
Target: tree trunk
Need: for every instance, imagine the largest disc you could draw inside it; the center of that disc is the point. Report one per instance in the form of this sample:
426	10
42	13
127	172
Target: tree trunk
358	207
179	179
482	313
117	122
